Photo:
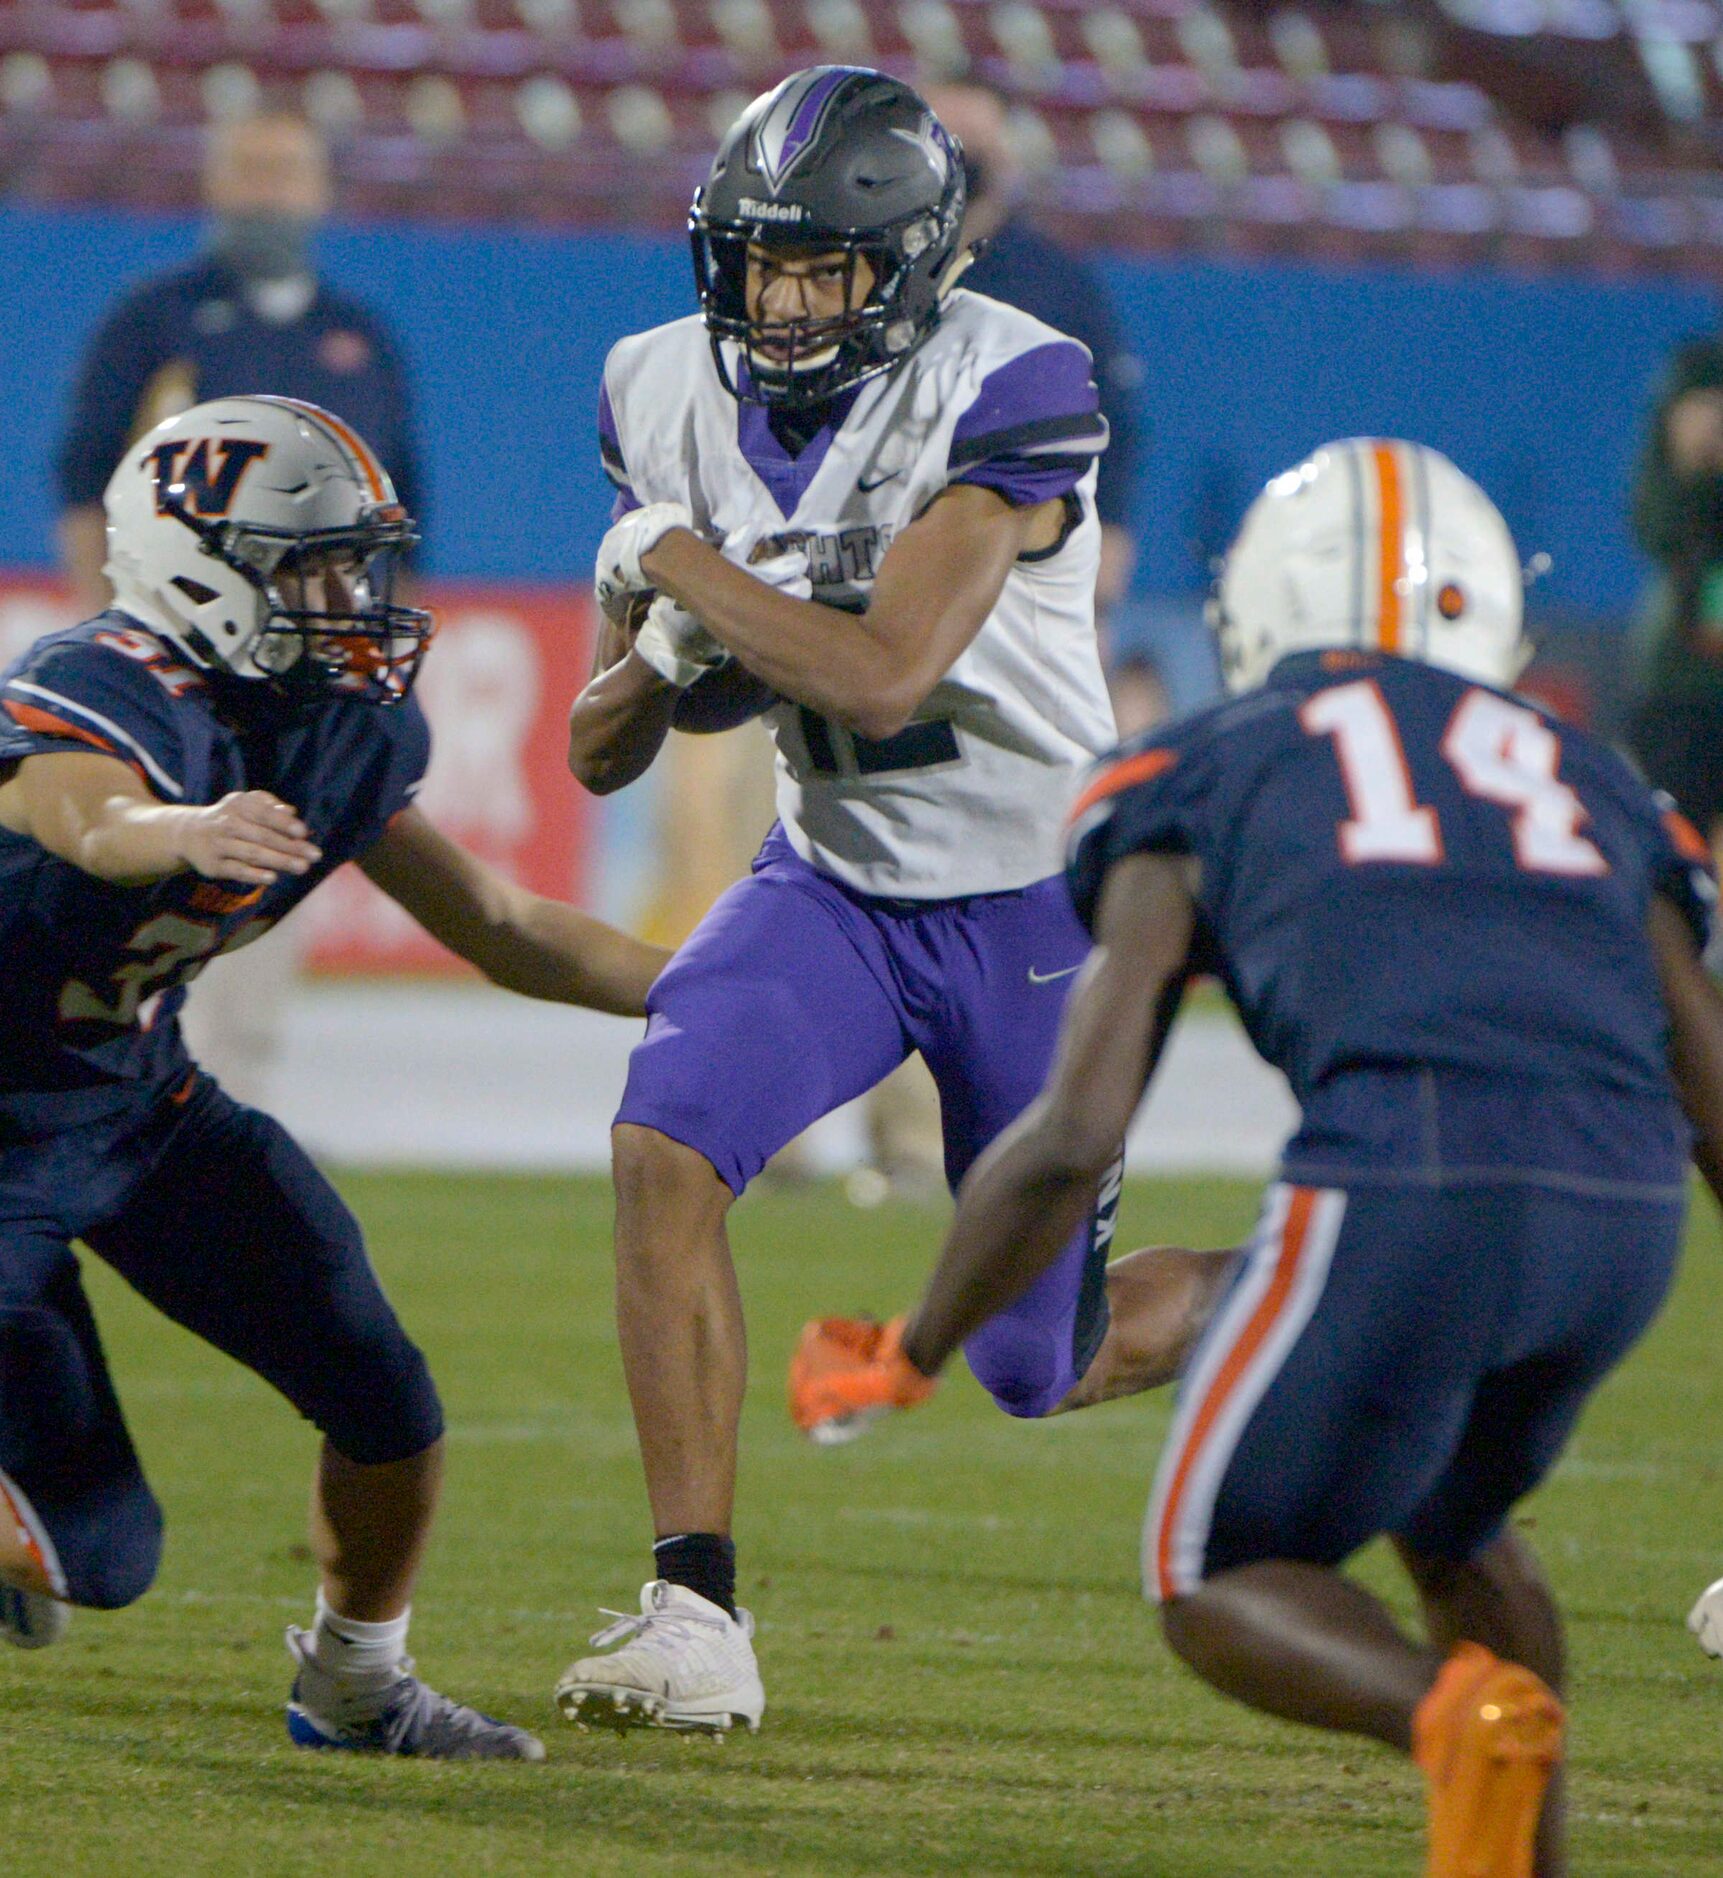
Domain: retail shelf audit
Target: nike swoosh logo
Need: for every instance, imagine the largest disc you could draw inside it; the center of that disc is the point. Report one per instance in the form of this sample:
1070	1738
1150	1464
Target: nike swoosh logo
879	482
1046	978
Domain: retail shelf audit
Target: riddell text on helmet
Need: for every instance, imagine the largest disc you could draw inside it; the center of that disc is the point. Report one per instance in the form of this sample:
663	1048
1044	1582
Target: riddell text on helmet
772	211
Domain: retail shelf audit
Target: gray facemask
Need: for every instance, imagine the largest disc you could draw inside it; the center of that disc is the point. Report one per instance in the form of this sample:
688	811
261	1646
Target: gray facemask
264	244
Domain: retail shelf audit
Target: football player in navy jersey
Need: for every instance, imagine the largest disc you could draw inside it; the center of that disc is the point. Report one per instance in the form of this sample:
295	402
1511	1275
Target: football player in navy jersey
1471	938
175	776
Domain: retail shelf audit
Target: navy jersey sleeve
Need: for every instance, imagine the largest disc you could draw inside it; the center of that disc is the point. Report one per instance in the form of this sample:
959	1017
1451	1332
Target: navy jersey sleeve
82	694
1033	428
610	454
1682	870
409	735
128	349
1146	798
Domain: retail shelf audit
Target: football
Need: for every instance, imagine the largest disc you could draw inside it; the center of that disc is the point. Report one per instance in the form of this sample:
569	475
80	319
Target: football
722	699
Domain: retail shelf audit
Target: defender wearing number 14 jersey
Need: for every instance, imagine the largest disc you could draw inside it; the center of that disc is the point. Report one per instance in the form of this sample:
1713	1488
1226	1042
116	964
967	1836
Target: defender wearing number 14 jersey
1357	796
1472	939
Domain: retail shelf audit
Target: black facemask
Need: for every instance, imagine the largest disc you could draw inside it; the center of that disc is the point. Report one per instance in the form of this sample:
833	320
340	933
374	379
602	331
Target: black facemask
976	176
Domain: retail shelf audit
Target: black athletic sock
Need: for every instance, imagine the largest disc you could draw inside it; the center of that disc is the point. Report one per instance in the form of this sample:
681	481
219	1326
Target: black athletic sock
703	1561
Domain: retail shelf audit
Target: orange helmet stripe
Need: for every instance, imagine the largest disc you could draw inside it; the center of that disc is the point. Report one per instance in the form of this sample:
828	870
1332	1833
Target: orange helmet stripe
1391	548
355	444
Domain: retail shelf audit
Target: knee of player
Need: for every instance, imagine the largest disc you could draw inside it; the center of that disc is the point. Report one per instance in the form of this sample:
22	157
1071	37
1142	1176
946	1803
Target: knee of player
1021	1367
1182	1621
114	1562
394	1414
652	1170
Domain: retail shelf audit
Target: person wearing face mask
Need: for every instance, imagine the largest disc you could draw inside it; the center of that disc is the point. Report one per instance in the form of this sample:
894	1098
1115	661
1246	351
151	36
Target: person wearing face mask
249	314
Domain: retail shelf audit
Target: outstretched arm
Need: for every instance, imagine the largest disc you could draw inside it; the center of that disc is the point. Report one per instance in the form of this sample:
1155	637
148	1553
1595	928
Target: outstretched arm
937	584
96	812
1030	1191
1695	1037
519	940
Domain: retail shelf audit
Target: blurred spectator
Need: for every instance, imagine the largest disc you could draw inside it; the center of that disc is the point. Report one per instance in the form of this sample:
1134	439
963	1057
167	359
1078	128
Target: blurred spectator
1023	267
1677	725
248	315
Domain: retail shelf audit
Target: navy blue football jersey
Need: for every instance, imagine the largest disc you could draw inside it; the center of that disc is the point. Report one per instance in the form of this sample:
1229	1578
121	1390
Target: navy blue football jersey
95	972
1402	871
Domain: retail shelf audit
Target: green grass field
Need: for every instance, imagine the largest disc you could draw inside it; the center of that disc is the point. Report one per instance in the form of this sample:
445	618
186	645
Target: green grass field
960	1674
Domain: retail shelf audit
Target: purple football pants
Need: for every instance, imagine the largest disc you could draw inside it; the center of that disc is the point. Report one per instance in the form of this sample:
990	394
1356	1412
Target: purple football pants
797	994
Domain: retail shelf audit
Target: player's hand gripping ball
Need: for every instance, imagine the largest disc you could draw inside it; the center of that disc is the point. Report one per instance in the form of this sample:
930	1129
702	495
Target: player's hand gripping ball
677	647
617	573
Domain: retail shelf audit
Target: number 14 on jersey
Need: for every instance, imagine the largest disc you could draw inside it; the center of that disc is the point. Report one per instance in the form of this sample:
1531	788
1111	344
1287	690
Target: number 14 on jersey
1500	751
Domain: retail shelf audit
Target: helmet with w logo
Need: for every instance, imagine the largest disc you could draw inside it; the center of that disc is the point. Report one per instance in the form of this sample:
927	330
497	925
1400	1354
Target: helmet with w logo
260	535
836	160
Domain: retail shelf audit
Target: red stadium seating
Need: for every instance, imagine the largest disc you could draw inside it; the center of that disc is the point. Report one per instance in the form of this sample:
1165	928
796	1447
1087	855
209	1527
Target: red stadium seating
1544	132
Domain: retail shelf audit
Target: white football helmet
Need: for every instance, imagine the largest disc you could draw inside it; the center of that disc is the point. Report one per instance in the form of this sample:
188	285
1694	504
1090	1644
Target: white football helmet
260	536
1375	543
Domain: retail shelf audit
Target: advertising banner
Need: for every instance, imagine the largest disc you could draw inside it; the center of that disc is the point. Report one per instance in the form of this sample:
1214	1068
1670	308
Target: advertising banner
496	687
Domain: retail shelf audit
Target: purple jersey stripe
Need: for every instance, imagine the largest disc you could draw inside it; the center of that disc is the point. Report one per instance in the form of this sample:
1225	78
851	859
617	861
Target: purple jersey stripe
1038	387
1024	481
610	453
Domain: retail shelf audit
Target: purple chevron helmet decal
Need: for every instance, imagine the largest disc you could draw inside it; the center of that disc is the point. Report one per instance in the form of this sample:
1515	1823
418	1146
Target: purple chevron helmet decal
792	121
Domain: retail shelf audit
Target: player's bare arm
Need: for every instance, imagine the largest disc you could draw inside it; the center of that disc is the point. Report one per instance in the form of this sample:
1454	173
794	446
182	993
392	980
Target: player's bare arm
618	724
96	812
520	940
1695	1036
1029	1191
869	671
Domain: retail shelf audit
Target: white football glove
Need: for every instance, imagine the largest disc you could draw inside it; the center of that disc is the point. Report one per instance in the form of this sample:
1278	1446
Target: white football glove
677	647
1705	1619
786	568
617	573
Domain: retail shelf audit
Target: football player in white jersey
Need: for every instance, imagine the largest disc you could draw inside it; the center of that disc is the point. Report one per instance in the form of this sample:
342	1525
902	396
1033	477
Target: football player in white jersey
863	499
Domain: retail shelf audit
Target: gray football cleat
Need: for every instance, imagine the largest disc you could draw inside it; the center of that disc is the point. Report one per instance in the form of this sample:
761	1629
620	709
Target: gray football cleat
406	1718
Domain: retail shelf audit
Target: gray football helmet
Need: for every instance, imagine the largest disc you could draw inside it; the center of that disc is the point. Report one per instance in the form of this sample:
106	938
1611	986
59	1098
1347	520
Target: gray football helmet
835	159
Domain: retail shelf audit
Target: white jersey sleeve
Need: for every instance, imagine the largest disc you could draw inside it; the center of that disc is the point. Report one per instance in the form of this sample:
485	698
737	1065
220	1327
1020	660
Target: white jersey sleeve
970	797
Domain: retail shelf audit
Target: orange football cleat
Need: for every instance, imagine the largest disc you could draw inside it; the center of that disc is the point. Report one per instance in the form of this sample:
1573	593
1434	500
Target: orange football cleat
847	1372
1488	1736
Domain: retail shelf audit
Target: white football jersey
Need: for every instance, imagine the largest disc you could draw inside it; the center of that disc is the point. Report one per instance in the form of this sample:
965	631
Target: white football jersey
971	796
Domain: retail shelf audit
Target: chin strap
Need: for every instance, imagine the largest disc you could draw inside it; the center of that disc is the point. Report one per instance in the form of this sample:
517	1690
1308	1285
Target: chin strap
961	263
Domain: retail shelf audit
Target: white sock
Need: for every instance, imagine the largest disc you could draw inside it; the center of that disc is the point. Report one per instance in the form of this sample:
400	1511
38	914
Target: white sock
362	1656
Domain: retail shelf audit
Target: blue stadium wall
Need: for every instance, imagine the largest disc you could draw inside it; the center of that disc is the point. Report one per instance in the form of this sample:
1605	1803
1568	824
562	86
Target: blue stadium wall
1536	387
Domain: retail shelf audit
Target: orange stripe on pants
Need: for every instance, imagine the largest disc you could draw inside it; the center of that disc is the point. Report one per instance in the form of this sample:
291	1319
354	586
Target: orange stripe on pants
1294	1236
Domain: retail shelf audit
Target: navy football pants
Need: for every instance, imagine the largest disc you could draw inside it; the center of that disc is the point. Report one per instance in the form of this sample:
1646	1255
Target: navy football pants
1398	1359
231	1231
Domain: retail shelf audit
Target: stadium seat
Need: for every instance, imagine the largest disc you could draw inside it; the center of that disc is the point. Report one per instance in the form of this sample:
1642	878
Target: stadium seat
1312	126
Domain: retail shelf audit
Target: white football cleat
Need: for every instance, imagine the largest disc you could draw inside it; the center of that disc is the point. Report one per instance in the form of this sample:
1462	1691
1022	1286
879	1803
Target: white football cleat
684	1663
31	1620
1705	1619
